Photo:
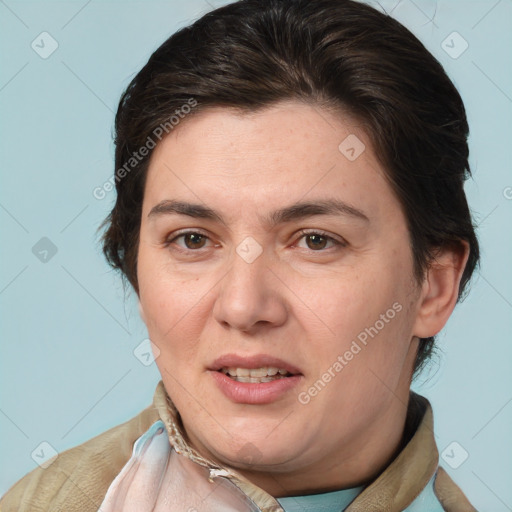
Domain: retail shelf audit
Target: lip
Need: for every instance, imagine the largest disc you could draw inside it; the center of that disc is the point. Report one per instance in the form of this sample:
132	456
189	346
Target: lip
252	362
254	393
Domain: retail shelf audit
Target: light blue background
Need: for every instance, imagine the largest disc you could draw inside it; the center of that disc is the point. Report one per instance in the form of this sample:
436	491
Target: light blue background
67	366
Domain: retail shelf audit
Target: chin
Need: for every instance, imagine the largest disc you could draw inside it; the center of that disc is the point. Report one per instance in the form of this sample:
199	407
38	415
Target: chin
258	455
254	438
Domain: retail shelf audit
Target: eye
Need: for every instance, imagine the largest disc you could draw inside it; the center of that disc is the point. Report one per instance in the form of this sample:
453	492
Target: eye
192	240
317	240
195	240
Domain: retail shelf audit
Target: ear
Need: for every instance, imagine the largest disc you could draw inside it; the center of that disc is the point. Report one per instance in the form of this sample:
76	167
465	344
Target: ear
141	312
440	289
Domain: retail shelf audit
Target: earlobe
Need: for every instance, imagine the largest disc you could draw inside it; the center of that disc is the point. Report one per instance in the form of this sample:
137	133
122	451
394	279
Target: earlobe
440	289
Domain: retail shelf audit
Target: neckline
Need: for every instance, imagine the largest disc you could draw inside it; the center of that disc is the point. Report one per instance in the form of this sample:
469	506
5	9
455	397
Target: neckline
332	501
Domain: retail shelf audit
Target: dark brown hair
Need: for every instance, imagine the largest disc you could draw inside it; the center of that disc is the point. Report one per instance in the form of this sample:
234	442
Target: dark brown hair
333	53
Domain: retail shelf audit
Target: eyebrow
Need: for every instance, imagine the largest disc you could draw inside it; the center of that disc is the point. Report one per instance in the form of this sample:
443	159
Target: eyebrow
296	211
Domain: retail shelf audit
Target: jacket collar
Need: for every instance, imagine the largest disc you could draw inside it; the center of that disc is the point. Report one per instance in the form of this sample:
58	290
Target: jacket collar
411	470
393	490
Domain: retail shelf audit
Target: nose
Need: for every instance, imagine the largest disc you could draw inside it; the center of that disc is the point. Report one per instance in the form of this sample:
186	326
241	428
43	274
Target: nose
250	296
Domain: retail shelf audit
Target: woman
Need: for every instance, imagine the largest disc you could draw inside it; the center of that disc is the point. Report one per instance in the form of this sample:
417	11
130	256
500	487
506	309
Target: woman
290	212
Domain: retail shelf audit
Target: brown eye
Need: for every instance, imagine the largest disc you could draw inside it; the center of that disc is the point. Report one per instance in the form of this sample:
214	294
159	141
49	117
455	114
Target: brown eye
193	240
317	241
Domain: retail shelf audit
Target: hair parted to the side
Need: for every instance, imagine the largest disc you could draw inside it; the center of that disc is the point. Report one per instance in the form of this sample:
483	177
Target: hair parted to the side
338	54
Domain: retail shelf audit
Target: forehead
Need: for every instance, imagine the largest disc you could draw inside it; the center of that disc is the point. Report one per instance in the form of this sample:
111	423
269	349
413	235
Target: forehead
288	152
289	129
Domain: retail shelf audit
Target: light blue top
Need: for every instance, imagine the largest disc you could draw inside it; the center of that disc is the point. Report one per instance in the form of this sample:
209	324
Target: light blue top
334	501
338	501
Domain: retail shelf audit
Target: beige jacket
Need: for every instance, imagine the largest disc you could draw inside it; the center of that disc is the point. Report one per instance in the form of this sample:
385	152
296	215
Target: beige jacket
79	478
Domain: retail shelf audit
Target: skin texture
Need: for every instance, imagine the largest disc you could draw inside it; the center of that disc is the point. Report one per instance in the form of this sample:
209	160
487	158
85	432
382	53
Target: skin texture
302	300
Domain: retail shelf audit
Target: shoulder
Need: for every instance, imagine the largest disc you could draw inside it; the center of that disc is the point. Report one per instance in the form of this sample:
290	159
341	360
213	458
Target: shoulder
449	494
78	478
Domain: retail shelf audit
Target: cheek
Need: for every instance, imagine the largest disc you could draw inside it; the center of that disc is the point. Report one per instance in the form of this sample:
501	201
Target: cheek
171	307
364	319
163	294
348	303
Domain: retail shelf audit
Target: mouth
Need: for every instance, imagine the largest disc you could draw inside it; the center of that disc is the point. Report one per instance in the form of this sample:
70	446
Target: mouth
259	366
255	375
258	379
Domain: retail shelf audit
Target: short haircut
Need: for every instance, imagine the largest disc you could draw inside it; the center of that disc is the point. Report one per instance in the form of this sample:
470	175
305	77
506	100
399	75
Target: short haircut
337	54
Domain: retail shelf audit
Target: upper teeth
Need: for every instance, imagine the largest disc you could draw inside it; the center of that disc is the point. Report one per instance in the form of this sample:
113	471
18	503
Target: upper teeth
254	372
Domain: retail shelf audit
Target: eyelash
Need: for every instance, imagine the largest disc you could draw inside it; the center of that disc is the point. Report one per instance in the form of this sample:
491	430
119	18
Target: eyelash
303	233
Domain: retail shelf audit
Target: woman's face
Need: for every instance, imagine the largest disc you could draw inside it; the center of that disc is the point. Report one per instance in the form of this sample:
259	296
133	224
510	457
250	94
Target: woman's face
270	242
